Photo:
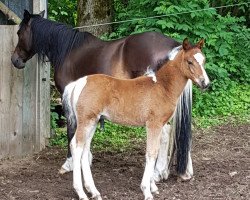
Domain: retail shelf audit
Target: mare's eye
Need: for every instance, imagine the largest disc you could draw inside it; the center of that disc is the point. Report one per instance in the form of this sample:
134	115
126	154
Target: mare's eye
190	62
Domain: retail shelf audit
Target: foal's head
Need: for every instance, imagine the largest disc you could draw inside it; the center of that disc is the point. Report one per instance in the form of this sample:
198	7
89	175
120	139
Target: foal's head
23	50
193	61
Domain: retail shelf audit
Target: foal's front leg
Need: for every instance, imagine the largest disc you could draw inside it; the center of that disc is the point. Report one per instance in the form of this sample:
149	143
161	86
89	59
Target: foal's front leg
153	144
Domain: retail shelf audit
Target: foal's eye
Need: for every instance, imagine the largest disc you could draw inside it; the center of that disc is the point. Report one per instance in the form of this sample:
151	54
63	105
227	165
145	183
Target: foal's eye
18	32
190	62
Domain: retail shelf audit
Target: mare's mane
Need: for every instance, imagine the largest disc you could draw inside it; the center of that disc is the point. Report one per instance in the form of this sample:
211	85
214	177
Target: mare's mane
54	39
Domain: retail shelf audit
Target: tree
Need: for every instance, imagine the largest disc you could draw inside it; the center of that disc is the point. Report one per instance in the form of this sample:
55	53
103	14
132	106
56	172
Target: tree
91	12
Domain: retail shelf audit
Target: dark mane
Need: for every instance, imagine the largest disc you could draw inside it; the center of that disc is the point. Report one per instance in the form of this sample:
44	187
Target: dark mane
54	39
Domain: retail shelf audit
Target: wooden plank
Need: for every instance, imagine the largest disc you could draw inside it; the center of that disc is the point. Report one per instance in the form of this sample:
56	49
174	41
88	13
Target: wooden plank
4	100
16	95
29	107
10	95
9	13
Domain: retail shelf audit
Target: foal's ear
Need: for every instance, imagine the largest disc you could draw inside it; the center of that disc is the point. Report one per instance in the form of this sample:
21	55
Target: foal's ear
186	45
42	13
200	44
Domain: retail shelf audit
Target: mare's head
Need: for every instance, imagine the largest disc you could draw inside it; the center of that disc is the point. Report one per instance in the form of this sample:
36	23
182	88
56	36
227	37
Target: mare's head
24	50
193	61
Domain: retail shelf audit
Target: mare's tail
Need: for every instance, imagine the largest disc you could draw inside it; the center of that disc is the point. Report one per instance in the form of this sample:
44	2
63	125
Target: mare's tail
182	128
68	104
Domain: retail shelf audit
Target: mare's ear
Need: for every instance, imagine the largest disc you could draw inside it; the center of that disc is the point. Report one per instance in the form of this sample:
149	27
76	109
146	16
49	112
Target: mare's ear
200	44
26	16
186	45
42	13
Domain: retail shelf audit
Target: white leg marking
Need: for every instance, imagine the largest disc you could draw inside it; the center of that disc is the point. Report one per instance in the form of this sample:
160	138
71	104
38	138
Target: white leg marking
147	177
200	59
162	164
88	179
189	171
77	175
67	166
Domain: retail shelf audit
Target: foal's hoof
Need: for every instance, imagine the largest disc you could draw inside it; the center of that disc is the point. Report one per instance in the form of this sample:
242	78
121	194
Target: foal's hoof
98	197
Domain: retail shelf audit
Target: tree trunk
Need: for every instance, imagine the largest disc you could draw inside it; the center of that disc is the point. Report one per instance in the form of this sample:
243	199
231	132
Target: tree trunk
91	12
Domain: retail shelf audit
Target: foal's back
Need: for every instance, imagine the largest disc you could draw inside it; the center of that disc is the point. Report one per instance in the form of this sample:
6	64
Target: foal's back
123	101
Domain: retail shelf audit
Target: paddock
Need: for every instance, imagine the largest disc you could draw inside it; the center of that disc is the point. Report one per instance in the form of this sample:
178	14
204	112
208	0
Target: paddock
220	157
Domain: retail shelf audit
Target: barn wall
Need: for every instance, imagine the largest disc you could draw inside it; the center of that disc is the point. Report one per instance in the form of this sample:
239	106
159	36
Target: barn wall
17	6
24	97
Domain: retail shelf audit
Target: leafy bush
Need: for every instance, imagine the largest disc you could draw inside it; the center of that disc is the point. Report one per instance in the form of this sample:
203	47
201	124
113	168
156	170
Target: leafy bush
63	11
227	47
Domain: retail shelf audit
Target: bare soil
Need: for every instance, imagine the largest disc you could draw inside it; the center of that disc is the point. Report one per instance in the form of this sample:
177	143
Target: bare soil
221	160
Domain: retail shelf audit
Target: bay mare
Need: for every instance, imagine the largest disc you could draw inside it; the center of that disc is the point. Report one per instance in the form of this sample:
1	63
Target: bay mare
74	54
144	101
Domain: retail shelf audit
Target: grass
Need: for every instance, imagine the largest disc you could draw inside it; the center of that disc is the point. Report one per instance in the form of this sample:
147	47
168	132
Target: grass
115	138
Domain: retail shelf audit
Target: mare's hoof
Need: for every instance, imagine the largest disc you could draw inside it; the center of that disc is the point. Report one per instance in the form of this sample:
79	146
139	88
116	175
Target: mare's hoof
185	177
63	171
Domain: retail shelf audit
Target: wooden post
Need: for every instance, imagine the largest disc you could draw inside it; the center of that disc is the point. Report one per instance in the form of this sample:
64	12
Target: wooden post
9	13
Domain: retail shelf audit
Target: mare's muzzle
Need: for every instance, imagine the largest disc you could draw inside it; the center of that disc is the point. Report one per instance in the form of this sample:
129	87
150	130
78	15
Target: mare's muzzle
17	61
203	83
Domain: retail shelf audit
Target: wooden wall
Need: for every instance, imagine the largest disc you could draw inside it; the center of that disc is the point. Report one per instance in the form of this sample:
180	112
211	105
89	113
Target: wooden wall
24	101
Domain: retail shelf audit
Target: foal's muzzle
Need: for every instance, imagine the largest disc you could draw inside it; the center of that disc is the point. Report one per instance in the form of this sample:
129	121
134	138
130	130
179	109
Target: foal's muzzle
203	84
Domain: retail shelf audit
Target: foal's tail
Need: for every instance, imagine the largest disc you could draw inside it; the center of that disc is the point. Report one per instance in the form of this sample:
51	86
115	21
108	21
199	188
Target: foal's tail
182	126
68	105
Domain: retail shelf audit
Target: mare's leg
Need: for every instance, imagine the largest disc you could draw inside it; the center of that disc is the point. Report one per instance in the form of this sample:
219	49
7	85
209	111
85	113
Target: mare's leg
68	164
162	164
88	179
189	171
153	144
77	150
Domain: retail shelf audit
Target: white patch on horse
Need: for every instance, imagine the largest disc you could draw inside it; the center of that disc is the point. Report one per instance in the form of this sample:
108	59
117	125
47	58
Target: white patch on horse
174	52
80	83
68	165
151	73
200	59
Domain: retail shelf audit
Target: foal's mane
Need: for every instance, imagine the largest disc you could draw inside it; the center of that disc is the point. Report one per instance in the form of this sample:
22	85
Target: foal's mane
54	39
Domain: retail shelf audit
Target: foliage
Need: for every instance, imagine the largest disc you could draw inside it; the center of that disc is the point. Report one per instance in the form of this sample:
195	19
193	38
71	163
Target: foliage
114	138
63	11
53	117
227	47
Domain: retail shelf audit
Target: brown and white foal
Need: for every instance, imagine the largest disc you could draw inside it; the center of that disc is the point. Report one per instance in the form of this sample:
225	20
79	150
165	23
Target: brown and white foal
145	101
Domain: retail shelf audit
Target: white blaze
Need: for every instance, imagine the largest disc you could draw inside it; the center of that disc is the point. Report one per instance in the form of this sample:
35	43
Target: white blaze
200	59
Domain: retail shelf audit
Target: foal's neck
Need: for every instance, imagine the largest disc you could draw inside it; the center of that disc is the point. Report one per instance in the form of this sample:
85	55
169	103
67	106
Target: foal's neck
172	79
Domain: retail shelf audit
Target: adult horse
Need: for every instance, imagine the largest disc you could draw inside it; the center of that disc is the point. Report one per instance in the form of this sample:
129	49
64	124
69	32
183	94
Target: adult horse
74	54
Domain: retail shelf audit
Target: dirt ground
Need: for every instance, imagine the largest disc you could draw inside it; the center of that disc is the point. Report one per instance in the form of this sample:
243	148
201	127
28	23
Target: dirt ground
221	160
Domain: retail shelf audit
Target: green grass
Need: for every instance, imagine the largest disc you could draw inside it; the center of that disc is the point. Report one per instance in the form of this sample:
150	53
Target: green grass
115	138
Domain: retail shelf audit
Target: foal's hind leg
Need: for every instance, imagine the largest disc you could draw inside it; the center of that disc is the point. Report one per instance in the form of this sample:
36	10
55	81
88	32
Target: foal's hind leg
88	179
153	143
77	150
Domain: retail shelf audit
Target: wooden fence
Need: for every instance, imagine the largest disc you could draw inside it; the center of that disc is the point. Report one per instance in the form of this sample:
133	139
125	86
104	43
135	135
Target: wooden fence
24	101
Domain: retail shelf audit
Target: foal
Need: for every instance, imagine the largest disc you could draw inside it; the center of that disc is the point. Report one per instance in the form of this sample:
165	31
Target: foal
144	101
